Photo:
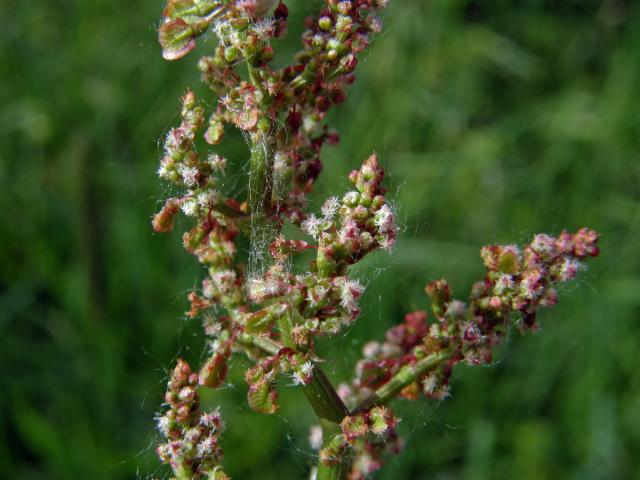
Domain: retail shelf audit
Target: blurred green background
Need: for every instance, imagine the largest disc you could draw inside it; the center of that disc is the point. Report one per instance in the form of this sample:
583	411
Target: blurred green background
494	119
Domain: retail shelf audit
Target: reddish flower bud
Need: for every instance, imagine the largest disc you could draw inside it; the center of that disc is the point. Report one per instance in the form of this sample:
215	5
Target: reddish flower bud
163	220
214	371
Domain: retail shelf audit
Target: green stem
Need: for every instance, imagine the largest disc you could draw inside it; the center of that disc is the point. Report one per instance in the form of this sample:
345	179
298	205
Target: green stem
331	410
261	166
182	472
230	212
262	150
323	398
340	467
253	76
267	344
336	471
405	377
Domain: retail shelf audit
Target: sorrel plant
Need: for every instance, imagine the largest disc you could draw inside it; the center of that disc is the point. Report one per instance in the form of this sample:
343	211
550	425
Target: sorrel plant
260	306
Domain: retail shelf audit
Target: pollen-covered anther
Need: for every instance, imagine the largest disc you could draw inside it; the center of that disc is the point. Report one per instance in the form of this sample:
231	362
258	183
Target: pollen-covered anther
330	207
544	245
164	424
503	283
455	310
568	269
440	393
385	220
350	292
264	28
317	295
207	446
429	384
303	374
531	283
189	207
212	420
217	162
312	226
207	199
351	199
349	233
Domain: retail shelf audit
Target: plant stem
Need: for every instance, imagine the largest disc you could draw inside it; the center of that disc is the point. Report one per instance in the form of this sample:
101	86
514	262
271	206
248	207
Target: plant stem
338	468
263	342
336	471
262	146
229	211
260	175
406	376
323	398
331	410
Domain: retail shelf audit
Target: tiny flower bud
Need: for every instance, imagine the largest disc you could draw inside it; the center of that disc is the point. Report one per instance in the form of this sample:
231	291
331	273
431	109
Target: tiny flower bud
354	427
163	220
325	23
214	371
382	420
440	294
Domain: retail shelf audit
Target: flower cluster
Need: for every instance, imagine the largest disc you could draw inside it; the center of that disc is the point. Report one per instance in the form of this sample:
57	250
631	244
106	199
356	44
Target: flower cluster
282	110
419	357
324	299
382	361
370	434
307	90
192	437
363	221
262	395
516	285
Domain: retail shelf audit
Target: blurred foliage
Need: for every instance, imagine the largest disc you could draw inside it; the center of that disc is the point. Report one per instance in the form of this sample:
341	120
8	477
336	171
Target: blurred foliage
494	120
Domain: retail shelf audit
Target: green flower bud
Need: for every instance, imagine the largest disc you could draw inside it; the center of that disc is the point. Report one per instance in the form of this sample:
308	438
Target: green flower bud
325	23
440	294
232	53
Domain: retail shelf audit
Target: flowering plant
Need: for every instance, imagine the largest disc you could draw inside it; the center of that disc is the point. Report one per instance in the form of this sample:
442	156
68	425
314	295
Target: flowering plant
261	308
